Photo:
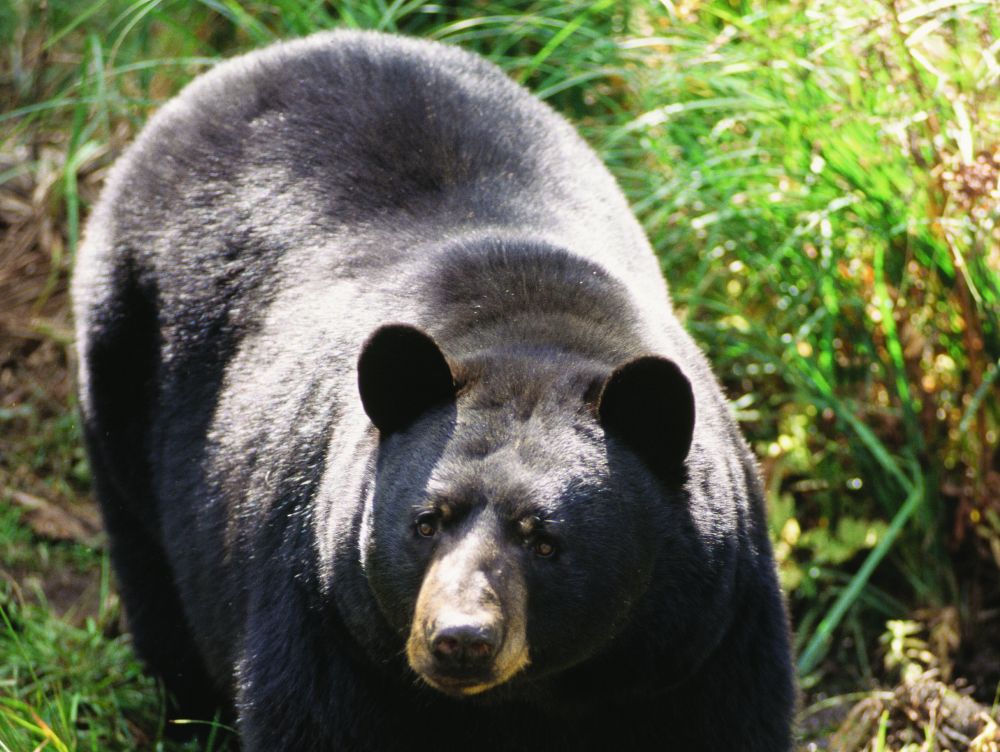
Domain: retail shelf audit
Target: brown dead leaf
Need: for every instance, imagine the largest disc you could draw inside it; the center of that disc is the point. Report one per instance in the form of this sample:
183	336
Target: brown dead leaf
55	522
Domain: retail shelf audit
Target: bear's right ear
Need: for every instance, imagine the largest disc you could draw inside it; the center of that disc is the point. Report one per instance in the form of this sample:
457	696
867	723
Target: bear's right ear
648	403
401	373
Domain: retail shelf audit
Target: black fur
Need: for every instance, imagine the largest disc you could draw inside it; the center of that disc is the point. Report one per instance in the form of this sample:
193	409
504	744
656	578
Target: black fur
533	384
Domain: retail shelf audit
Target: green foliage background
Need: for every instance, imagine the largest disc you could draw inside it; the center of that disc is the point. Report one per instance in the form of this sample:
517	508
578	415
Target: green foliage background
819	180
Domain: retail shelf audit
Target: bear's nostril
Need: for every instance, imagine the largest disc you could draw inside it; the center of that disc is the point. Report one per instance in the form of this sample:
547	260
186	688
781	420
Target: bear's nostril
445	646
480	649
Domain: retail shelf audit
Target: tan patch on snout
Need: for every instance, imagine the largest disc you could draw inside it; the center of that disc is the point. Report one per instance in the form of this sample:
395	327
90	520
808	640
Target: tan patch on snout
455	582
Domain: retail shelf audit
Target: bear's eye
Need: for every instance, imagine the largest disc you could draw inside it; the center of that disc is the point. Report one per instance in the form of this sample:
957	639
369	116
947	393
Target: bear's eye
426	524
544	547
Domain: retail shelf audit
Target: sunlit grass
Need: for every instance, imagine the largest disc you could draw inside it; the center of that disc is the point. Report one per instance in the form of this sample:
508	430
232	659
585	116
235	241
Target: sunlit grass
800	169
65	685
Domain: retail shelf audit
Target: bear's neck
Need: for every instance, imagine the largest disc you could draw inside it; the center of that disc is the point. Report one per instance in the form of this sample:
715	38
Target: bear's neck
515	293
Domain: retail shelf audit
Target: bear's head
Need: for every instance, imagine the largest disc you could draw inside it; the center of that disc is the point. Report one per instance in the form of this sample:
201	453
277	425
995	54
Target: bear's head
521	498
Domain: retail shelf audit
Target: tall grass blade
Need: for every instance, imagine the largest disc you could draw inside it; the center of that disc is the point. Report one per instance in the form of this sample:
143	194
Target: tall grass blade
819	642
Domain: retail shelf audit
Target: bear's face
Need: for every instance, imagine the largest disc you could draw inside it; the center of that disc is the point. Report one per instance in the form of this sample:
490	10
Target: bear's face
520	548
509	534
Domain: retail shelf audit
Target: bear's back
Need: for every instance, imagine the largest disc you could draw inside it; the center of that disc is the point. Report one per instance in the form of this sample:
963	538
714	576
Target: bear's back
345	154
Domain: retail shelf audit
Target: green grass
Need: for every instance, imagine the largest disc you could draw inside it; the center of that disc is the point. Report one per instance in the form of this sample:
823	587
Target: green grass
70	686
69	680
814	222
820	182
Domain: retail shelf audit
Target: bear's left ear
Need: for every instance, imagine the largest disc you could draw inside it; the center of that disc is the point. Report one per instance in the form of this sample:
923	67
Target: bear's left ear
648	404
401	374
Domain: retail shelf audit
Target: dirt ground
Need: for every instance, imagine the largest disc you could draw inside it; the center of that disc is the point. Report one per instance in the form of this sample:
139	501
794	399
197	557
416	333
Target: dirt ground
40	456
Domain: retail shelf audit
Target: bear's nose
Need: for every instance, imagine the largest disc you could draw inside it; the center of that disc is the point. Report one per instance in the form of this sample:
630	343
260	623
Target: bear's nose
465	646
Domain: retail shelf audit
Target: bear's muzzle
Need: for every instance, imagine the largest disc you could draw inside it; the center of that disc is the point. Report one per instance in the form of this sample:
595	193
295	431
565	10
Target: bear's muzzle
468	633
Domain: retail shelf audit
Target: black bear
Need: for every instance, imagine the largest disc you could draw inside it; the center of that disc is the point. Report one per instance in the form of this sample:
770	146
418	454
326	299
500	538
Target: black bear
397	440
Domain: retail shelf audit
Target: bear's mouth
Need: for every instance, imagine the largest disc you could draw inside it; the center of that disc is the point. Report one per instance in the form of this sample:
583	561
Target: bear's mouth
459	686
466	664
459	671
469	683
